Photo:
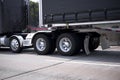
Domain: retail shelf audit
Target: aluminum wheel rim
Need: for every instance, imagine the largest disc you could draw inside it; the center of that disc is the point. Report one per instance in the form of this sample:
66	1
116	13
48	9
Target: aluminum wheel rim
41	44
14	44
65	44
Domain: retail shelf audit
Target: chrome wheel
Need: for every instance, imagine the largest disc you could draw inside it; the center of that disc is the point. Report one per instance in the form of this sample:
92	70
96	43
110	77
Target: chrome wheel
68	44
14	44
65	44
41	44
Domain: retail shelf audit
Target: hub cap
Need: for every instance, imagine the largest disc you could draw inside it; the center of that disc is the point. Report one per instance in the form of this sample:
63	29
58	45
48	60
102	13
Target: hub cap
65	44
14	44
41	44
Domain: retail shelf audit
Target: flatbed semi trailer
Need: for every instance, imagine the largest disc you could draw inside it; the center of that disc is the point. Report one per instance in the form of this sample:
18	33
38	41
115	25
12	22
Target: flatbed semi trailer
68	26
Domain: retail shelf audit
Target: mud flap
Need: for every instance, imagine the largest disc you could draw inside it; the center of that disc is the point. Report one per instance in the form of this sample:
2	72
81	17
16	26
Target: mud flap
86	45
104	42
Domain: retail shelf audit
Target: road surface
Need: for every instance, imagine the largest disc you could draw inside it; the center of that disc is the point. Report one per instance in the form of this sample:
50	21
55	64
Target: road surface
100	65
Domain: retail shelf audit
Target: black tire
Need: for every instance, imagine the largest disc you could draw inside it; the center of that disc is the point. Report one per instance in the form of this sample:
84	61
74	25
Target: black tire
72	39
15	45
94	43
48	45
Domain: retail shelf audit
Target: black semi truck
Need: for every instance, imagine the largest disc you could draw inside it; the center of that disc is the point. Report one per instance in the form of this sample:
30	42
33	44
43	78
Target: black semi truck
68	25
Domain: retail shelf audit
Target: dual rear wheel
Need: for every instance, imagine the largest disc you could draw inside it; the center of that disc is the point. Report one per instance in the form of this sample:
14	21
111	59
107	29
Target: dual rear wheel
43	44
67	44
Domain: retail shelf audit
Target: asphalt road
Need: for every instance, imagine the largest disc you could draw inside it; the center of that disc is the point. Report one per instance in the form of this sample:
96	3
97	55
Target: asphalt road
100	65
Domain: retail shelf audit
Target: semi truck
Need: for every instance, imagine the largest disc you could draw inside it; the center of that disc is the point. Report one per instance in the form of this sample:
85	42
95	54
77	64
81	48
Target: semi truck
68	26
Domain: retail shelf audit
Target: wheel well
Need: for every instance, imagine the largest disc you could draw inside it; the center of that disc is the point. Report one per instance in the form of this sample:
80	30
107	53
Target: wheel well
62	31
59	32
94	34
47	34
54	35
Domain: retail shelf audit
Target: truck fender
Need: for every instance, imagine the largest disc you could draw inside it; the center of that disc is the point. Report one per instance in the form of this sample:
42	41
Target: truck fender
30	37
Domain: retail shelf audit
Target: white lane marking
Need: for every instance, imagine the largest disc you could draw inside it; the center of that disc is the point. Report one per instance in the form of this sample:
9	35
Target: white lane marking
56	60
95	63
110	64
